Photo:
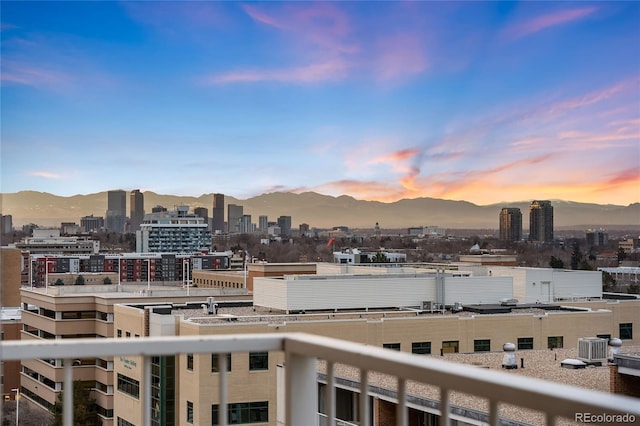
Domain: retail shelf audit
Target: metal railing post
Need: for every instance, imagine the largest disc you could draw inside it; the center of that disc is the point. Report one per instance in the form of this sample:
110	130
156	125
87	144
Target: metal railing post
301	390
67	392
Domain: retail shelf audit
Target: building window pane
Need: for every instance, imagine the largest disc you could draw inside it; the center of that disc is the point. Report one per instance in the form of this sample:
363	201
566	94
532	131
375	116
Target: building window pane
555	342
258	361
482	345
626	331
243	412
394	346
128	385
421	348
525	342
189	412
190	362
215	362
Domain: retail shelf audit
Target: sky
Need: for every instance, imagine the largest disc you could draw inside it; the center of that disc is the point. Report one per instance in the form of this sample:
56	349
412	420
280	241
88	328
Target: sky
481	101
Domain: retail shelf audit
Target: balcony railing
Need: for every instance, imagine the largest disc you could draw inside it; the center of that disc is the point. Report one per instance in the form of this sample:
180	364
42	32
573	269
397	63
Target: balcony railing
301	388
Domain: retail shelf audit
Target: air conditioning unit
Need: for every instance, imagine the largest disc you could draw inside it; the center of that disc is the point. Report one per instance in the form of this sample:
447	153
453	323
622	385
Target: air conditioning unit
592	350
427	305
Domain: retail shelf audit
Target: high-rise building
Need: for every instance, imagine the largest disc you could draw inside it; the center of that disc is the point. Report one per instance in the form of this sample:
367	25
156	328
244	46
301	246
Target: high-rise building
116	210
510	224
136	209
217	223
597	237
246	227
263	223
234	216
284	222
202	212
6	224
541	221
173	232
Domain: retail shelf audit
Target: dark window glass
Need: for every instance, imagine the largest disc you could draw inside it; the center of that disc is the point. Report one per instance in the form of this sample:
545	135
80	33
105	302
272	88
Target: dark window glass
626	331
189	361
258	361
525	342
215	362
243	412
482	345
394	346
555	342
421	348
128	385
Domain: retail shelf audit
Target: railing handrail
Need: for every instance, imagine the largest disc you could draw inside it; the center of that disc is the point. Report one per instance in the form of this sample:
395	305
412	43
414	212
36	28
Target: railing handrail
555	399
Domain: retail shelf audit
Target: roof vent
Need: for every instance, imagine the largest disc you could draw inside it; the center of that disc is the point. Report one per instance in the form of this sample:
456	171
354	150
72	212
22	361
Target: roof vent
592	350
509	359
615	346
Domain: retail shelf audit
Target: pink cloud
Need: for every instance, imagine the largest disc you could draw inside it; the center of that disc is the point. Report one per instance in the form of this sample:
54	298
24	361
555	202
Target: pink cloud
29	75
399	56
46	175
539	23
259	16
330	70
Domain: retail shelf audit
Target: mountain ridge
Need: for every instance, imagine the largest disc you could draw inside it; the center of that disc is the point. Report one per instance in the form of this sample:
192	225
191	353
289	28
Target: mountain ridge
323	211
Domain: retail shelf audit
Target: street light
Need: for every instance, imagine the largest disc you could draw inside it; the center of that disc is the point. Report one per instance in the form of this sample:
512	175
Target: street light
17	391
46	275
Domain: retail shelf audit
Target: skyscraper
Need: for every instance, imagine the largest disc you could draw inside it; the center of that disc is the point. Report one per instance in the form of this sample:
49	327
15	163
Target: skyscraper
541	221
234	216
218	214
136	209
202	212
263	223
510	224
284	222
116	211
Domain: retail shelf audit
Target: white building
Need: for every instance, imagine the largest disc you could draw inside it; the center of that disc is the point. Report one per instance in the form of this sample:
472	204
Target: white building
173	232
531	285
49	241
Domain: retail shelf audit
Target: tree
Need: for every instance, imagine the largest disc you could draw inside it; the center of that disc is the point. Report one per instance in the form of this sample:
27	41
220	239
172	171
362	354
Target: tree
556	263
634	288
576	256
80	280
608	282
380	257
622	255
30	415
107	281
84	407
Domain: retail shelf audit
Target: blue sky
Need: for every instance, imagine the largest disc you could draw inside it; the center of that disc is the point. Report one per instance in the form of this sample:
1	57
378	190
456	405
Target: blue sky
481	101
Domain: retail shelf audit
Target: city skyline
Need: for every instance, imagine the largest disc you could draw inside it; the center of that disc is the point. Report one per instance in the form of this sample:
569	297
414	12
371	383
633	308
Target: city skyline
484	102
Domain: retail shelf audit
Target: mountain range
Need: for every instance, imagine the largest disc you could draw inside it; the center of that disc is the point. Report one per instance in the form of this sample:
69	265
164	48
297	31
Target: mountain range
323	211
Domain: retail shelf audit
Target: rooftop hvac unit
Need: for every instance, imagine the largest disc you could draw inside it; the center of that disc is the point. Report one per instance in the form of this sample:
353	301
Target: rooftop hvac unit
427	305
592	350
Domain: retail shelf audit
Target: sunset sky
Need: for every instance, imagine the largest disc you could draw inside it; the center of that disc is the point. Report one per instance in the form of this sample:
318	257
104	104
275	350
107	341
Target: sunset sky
477	101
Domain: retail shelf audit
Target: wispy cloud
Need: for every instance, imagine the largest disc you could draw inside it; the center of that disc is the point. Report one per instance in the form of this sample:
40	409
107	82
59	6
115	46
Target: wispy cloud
327	71
531	26
44	174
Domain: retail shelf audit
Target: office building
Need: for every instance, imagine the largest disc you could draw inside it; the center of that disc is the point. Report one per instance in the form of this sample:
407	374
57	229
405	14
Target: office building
203	212
234	218
263	223
541	222
510	224
136	210
158	209
116	215
91	224
246	227
6	223
217	223
173	232
597	237
284	222
49	241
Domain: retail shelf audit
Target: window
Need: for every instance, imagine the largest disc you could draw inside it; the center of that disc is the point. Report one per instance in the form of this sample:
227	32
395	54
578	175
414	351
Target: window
128	385
555	342
258	361
525	343
243	412
604	336
626	331
421	348
119	333
190	362
394	346
482	345
128	334
215	362
123	422
189	412
450	347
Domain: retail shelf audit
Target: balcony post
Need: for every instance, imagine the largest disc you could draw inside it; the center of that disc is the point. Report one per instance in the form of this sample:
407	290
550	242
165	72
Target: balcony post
301	390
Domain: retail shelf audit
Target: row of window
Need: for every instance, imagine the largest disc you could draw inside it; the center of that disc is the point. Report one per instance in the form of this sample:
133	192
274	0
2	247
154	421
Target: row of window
129	386
484	345
258	361
238	413
126	334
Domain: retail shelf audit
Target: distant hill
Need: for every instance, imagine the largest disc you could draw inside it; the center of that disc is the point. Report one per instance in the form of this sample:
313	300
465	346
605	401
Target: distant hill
323	211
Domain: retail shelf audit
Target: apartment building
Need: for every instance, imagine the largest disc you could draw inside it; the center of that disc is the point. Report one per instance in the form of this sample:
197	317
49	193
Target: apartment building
173	232
64	312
